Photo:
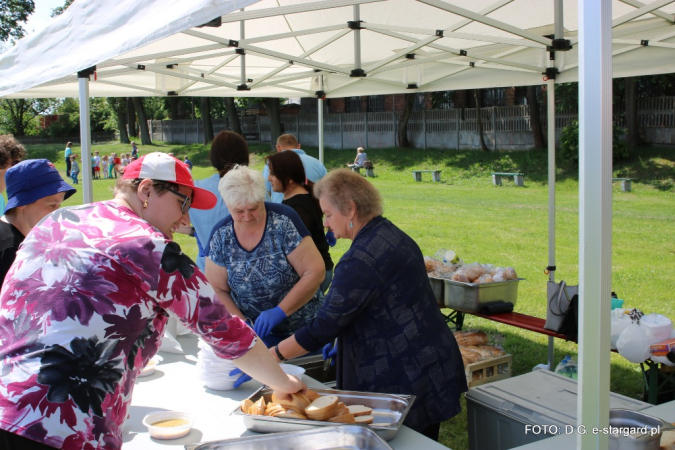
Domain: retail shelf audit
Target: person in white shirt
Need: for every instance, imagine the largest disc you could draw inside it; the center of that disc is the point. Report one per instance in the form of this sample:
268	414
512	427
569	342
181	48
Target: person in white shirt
360	158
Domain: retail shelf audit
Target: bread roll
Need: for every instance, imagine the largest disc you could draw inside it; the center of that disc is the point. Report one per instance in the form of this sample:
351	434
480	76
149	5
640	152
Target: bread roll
431	263
459	276
471	338
343	418
258	408
311	395
322	408
510	273
359	410
246	405
364	419
485	278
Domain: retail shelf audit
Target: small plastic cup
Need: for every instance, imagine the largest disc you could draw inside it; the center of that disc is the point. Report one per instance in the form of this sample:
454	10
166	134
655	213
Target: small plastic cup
157	421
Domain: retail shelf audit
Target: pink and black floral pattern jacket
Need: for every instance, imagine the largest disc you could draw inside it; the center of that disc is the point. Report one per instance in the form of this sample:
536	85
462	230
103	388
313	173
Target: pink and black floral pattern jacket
82	310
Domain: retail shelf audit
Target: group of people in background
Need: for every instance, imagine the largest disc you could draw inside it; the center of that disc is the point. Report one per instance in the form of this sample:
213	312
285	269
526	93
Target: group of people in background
102	167
264	288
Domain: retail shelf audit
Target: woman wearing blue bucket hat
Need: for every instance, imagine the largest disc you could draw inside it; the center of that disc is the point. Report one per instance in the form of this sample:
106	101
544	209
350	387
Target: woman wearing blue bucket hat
34	189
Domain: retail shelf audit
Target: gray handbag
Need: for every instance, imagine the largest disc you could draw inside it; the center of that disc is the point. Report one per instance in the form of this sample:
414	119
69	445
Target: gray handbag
559	298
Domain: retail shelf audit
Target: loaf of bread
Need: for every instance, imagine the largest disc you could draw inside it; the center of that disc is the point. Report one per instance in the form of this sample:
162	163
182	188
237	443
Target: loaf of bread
487	352
432	264
322	408
469	356
471	338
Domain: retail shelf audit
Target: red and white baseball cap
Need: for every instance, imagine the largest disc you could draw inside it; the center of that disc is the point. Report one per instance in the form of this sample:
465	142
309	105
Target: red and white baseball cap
160	166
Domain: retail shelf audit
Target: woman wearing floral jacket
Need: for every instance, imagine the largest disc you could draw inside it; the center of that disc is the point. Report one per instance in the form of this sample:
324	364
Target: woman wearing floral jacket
84	307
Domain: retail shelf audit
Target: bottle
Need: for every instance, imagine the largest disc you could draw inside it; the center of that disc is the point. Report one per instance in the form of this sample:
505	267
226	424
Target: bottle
562	366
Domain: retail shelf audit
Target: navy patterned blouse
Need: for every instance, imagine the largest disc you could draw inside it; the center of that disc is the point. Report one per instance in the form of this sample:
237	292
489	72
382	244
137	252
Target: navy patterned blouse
391	335
260	279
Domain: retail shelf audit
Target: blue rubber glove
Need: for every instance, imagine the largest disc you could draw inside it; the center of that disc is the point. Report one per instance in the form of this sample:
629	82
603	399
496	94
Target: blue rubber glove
330	238
267	320
329	351
242	379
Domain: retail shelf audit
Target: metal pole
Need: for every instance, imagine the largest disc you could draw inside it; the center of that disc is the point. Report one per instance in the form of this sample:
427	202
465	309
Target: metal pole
357	39
319	105
85	135
242	67
595	218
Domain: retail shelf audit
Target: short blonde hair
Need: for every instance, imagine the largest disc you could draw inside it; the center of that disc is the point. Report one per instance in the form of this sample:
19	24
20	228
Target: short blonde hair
288	141
342	185
241	187
360	150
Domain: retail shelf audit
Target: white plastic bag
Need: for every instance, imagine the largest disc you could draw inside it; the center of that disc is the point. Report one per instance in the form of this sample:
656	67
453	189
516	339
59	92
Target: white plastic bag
633	344
657	327
619	322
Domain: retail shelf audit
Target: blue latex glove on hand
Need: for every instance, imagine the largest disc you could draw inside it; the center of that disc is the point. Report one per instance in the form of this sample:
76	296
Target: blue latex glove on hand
330	238
267	320
242	379
329	351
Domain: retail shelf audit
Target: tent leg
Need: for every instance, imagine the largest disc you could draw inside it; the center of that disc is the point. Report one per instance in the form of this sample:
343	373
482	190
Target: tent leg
319	106
85	135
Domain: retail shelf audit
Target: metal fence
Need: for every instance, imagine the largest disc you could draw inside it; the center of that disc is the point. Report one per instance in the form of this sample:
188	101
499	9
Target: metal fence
506	127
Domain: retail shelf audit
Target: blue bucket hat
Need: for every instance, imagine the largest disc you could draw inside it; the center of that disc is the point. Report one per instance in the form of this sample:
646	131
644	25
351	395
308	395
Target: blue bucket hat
31	180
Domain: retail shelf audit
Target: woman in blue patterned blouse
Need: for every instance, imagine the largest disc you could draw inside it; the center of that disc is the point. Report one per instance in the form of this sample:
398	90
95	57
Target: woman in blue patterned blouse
262	261
391	335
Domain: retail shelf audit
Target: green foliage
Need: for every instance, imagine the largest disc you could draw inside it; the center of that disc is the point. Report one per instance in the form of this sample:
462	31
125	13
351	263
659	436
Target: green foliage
568	153
61	9
13	15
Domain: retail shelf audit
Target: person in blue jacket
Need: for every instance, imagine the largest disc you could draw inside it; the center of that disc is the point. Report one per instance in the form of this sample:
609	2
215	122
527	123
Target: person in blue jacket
391	336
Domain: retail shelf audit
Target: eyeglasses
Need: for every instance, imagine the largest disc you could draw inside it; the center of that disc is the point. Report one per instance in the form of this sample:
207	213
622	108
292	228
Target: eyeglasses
187	201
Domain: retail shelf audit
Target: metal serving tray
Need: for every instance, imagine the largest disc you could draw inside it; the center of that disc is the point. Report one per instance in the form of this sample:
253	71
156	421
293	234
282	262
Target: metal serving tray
389	411
344	437
469	297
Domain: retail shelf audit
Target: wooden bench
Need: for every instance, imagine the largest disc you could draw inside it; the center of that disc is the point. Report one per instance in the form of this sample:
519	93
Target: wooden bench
435	174
626	183
497	178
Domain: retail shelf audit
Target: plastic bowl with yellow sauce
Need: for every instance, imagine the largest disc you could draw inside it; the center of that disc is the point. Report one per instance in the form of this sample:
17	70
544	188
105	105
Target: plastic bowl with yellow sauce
168	424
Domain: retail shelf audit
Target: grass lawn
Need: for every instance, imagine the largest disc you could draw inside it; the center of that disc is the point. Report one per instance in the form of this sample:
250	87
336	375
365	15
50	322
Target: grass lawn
506	226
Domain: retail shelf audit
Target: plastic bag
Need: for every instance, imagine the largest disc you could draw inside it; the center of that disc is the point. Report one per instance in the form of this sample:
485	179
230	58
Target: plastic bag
657	327
619	322
633	344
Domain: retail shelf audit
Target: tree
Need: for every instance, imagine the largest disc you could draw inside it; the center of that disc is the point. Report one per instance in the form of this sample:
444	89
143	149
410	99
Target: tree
632	125
402	127
18	114
232	116
119	106
13	15
142	121
205	112
272	106
61	9
131	117
478	97
535	119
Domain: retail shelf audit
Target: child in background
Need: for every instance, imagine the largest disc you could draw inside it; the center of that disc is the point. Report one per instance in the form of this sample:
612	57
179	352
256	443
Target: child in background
74	168
104	167
96	166
188	163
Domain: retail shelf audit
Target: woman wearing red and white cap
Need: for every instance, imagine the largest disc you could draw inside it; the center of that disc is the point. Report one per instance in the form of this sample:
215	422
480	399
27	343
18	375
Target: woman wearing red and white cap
84	306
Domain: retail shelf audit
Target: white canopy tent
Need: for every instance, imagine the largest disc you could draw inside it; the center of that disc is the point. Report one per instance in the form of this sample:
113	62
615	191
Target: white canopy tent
339	48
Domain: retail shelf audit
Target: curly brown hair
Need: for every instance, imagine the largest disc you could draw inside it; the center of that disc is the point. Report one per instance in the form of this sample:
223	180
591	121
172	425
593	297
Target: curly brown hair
11	151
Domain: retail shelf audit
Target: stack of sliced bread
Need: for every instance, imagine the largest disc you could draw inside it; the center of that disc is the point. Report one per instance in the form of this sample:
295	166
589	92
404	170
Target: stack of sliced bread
309	406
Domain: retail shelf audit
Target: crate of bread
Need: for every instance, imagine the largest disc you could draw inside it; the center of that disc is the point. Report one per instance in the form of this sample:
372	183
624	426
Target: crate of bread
469	287
483	363
263	412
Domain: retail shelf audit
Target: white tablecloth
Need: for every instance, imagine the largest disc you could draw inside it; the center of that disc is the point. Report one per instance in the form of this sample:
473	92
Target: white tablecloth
175	387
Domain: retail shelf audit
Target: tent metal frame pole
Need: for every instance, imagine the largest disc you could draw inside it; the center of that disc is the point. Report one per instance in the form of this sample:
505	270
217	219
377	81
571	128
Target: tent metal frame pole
357	38
595	218
319	106
291	9
242	67
550	105
85	136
